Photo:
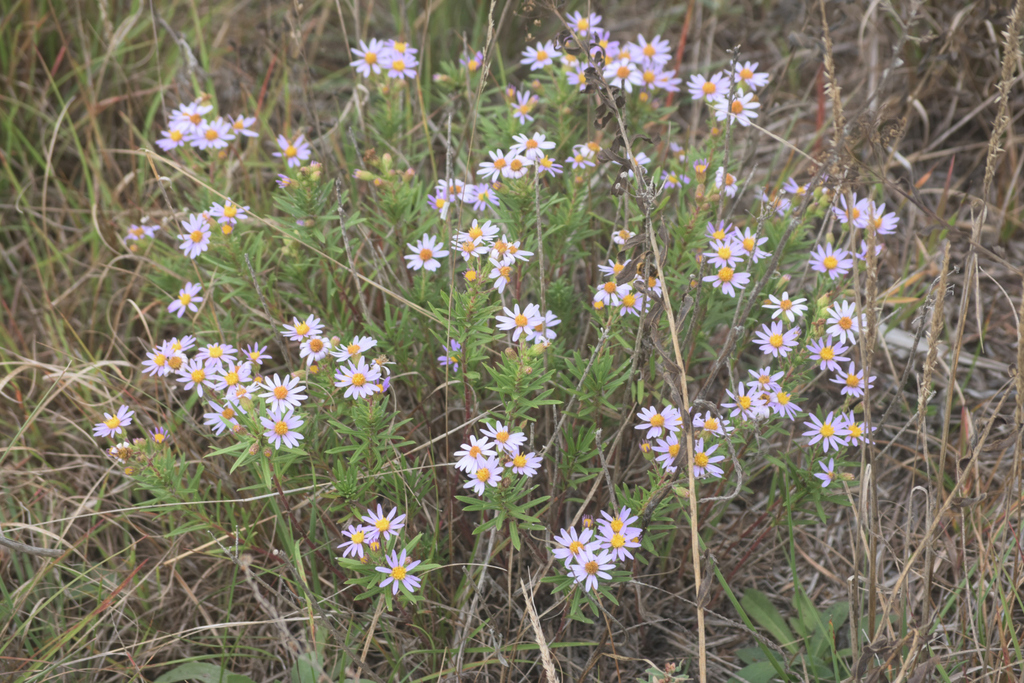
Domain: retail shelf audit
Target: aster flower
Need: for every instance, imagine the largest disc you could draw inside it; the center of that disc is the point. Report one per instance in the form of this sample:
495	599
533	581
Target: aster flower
784	306
226	379
853	381
215	354
399	66
766	381
729	280
610	293
472	61
622	73
299	330
470	248
674	180
293	152
171	139
187	298
712	424
613	268
832	261
569	544
542	332
828	353
400	47
632	303
196	238
531	147
398	573
622	236
353	547
283	394
516	166
726	182
590	566
358	380
487	473
740	110
748	404
425	254
228	213
748	73
856	431
582	23
369	57
774	341
314	349
724	254
242	125
525	463
183	345
504	438
828	472
781	403
844	322
658	50
381	527
749	244
480	196
485	232
156	362
137	232
508	252
620	523
212	134
577	77
656	77
451	355
857	214
720	231
668	450
221	419
501	274
494	167
194	374
188	117
540	56
257	354
701	88
881	222
470	453
578	160
617	543
523	105
704	463
826	431
520	322
113	424
159	435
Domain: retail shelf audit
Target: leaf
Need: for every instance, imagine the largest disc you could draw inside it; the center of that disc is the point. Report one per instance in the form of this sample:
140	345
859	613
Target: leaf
306	668
203	672
758	672
766	615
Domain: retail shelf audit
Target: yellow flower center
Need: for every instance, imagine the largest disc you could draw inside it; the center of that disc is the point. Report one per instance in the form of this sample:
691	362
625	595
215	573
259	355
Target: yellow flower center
227	413
827	353
583	24
785	304
827	430
230	210
158	437
198	375
845	322
177	135
316	345
711	424
830	262
195	118
782	398
852	380
648	76
855	213
290	151
708	88
855	431
658	420
301	328
737	107
112	423
196	236
255	356
623	72
358	537
700	459
531	144
724	253
400	47
775	340
591	567
473	65
673	450
475	451
593	146
745	402
746	74
628	300
398	573
159	360
174	362
519	461
541	55
648	50
216	352
358	379
382	524
499	162
470	275
575	547
617	524
725	274
609	287
280	392
516	165
618	540
521	320
398	65
211	134
483	474
231	378
184	298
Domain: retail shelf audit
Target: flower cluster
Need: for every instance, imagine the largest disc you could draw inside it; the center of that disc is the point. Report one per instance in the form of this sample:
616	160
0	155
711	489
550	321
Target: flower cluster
395	59
484	458
188	125
589	556
378	528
